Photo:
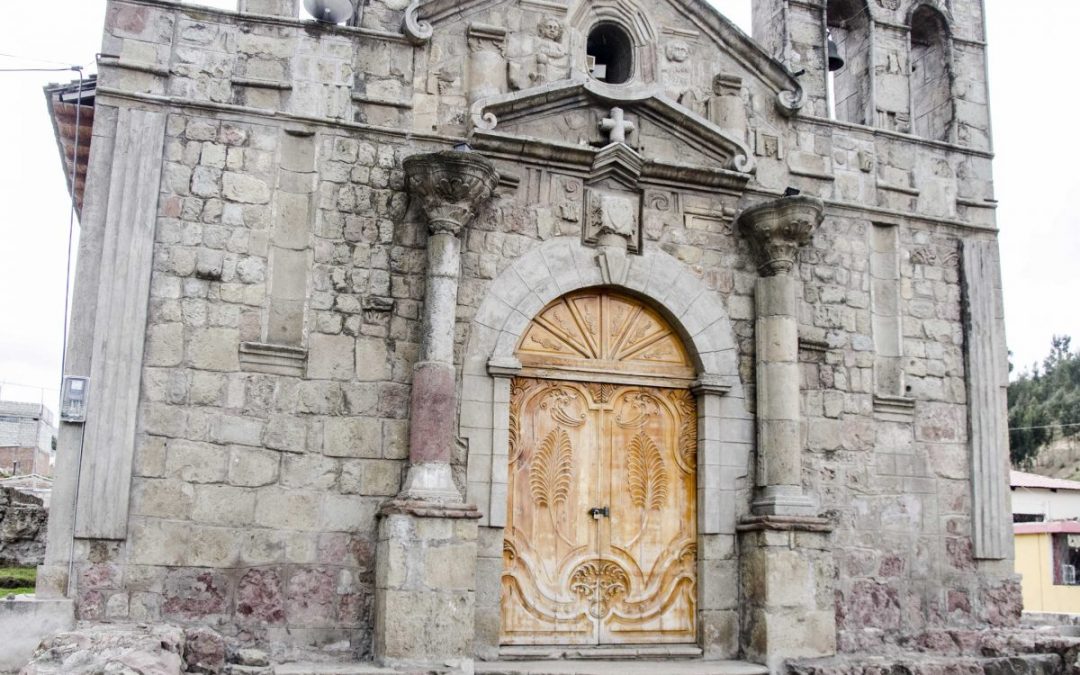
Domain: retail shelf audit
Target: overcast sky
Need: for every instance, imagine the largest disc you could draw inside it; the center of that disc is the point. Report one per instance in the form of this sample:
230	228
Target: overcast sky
1037	181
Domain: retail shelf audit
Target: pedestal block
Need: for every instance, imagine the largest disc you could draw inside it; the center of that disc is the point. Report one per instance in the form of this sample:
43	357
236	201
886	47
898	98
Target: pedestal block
789	608
287	8
425	588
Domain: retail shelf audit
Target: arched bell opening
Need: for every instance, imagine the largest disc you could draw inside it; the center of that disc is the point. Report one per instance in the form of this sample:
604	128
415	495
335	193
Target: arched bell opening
848	68
932	109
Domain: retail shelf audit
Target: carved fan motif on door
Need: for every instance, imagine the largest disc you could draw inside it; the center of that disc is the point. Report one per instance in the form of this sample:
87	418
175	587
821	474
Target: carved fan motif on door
604	332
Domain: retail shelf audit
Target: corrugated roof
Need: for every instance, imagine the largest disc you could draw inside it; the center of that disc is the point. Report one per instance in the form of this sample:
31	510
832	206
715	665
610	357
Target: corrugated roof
68	105
1052	527
1019	479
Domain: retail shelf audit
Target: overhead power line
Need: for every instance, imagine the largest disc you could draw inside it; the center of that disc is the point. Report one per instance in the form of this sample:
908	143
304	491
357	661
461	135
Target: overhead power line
1048	426
41	70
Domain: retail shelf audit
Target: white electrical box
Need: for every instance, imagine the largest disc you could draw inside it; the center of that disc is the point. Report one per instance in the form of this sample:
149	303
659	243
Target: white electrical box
73	399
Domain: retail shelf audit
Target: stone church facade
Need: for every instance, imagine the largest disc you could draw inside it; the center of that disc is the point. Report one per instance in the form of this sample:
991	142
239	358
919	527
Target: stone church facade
491	326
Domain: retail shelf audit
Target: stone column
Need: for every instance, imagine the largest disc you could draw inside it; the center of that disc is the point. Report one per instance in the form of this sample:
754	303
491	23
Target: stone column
450	186
425	572
776	230
785	556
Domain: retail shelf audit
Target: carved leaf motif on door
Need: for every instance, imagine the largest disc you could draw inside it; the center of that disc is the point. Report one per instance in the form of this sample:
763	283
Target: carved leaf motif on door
551	474
601	392
684	403
517	390
648	478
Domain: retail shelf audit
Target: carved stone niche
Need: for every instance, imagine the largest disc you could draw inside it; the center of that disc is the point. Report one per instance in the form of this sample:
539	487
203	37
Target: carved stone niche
541	59
613	218
450	187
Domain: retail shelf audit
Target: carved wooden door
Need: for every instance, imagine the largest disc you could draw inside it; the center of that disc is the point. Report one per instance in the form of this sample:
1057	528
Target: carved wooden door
601	536
601	541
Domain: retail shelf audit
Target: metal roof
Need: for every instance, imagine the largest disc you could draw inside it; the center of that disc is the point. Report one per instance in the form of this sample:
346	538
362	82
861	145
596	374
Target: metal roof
1052	527
1019	479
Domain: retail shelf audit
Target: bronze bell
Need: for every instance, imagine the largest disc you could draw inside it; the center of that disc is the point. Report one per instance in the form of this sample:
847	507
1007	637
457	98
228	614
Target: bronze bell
836	62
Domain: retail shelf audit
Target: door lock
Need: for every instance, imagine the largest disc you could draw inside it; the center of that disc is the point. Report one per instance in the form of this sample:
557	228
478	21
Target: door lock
598	512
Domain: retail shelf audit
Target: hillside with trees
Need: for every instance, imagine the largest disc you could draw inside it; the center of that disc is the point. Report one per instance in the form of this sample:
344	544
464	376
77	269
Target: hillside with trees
1044	410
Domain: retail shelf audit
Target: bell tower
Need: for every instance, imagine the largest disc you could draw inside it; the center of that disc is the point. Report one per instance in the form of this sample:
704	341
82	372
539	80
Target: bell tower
910	66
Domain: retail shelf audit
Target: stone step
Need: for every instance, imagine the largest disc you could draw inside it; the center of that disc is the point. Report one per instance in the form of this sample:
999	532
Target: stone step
315	668
924	664
548	667
612	653
635	667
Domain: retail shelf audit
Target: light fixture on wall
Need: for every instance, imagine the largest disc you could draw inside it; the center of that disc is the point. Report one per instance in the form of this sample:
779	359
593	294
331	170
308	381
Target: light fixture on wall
836	62
330	11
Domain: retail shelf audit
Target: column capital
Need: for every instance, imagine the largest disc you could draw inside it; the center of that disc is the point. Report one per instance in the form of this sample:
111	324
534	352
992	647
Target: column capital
778	228
450	187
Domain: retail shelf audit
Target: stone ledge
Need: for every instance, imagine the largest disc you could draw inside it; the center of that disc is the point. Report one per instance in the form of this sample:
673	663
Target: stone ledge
423	509
257	357
894	408
785	524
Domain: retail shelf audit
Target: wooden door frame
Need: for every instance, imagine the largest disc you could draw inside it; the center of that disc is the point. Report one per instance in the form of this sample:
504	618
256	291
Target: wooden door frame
725	425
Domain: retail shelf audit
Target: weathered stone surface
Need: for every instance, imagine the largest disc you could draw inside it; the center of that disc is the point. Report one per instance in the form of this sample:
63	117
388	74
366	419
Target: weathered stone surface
204	651
107	649
23	529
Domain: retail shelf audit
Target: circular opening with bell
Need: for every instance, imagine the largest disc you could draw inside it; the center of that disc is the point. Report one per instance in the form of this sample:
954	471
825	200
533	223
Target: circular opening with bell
611	54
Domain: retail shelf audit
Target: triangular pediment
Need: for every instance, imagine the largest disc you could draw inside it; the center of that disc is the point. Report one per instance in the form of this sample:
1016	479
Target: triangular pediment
563	122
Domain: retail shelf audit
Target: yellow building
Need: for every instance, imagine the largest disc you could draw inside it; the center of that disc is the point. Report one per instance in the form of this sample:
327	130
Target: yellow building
1047	557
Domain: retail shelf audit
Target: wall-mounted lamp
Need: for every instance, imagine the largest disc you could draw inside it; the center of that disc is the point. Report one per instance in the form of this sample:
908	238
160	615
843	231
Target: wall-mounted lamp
330	11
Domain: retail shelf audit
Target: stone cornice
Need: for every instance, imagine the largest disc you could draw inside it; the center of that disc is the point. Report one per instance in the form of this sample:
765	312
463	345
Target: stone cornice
272	19
645	101
579	160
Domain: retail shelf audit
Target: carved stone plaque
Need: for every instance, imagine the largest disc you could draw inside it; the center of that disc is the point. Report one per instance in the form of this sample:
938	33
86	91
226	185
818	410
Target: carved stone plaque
613	213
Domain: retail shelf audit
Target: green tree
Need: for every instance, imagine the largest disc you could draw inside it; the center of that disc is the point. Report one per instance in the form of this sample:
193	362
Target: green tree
1044	403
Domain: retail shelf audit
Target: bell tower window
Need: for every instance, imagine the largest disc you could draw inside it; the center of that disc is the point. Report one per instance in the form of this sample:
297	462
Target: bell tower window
849	71
931	88
611	54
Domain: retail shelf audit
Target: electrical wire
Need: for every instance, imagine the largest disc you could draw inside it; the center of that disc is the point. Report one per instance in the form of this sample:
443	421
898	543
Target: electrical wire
71	222
1048	426
31	58
41	70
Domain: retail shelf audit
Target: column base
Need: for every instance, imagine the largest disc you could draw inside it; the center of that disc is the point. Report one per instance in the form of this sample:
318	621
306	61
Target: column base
431	482
52	581
789	608
783	500
425	585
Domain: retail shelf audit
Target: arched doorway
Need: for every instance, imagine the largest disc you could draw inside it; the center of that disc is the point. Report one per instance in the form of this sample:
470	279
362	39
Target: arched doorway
601	532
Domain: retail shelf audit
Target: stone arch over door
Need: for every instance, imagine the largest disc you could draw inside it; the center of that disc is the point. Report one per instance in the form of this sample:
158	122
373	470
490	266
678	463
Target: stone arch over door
725	428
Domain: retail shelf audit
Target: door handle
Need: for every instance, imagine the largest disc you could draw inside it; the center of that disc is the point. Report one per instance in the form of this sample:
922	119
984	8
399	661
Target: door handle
600	512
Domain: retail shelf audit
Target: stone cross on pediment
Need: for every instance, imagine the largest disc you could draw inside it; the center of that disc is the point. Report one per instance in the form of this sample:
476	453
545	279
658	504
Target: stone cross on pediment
617	126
